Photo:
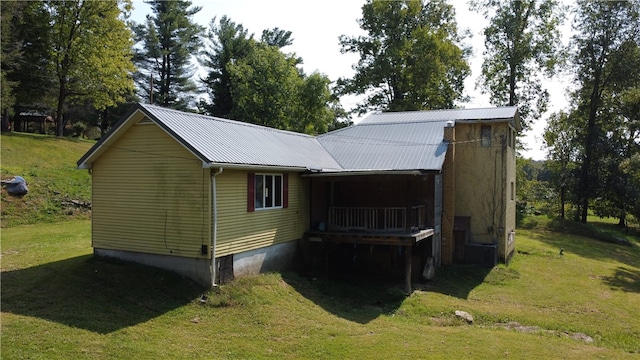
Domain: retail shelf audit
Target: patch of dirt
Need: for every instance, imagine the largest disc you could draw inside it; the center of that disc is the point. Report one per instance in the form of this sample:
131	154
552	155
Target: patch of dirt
528	329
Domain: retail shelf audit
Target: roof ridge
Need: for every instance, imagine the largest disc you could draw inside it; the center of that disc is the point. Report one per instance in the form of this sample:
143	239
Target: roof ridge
447	110
231	121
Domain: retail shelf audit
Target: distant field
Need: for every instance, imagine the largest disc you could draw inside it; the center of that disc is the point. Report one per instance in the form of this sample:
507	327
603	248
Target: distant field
48	164
59	302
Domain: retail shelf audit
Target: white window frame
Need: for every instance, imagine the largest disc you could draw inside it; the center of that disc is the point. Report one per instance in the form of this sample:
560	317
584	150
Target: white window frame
264	191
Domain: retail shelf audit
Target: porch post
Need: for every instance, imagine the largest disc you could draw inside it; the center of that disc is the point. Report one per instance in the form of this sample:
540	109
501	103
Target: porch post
407	268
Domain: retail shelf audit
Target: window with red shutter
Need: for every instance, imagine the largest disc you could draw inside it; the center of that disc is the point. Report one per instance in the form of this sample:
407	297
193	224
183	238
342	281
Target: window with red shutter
267	191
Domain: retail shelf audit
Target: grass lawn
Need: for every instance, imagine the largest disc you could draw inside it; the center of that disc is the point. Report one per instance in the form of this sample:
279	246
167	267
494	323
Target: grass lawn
59	302
48	164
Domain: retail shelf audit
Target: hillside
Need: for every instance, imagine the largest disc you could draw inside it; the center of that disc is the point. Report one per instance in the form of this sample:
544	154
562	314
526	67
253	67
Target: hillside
579	302
60	302
57	190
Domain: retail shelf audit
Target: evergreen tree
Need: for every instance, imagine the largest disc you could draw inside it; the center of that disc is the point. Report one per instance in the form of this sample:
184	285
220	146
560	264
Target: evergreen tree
167	42
226	43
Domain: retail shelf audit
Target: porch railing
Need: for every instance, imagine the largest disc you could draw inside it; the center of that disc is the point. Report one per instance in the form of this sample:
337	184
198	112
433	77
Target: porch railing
371	219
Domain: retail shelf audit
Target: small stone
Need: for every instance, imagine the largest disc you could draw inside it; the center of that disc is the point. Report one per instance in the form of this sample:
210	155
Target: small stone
195	320
582	337
464	315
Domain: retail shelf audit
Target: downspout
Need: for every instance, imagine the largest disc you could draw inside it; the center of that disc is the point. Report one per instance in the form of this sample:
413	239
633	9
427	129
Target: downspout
214	227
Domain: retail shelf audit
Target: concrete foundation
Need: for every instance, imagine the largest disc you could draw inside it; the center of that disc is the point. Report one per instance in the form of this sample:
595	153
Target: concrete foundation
198	270
272	258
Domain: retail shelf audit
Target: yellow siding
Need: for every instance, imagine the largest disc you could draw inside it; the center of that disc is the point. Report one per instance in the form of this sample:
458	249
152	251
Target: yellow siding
482	182
239	230
150	195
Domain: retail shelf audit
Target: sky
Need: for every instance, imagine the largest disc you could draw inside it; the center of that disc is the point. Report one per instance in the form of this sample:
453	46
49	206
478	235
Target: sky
316	26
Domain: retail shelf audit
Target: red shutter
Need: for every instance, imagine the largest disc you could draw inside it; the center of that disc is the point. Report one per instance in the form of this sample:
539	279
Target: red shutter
251	191
285	191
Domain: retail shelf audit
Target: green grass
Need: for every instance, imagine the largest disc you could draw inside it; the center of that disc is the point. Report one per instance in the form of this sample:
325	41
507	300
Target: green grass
60	302
48	164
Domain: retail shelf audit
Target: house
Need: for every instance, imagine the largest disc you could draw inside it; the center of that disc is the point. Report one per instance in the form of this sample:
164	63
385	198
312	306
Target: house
213	198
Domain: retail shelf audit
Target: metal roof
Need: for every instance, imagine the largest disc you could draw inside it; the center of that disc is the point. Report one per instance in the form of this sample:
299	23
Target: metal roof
388	146
480	114
232	142
393	141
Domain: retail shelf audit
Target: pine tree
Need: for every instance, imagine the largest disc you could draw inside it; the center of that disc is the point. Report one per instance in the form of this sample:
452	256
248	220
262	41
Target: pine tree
168	40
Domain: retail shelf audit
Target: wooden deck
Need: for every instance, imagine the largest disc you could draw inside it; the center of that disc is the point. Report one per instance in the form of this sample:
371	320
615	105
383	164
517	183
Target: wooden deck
352	237
392	239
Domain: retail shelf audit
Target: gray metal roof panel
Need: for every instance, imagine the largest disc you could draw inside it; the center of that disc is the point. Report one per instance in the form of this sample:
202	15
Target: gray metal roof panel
499	113
227	141
392	146
382	142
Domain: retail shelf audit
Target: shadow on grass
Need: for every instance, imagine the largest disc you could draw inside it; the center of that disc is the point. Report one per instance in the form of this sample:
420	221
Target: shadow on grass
624	279
366	295
356	299
94	294
588	247
459	280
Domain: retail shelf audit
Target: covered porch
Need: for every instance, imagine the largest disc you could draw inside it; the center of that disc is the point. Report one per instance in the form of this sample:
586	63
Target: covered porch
394	211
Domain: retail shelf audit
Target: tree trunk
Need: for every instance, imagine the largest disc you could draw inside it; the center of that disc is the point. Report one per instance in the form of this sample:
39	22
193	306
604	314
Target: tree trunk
5	120
589	145
562	201
62	94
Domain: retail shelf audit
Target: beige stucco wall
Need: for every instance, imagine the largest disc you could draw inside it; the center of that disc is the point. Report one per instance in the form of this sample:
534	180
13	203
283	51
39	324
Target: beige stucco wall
150	195
240	230
483	177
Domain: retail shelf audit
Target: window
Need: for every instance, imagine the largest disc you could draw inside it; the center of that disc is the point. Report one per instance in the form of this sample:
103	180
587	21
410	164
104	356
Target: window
513	191
267	191
485	135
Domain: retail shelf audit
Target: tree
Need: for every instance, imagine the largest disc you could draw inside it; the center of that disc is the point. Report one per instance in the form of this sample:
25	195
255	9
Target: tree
631	168
9	54
91	54
276	37
226	43
561	136
268	89
263	86
27	79
621	125
254	81
605	60
167	41
522	41
410	58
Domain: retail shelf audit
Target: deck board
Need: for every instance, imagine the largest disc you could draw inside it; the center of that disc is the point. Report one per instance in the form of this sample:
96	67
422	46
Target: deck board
400	239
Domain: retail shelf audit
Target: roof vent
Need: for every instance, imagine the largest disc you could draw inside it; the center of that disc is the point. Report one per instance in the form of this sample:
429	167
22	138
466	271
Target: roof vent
450	123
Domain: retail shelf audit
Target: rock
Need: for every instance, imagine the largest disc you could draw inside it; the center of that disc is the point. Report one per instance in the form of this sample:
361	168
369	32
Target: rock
464	315
581	337
16	186
429	269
